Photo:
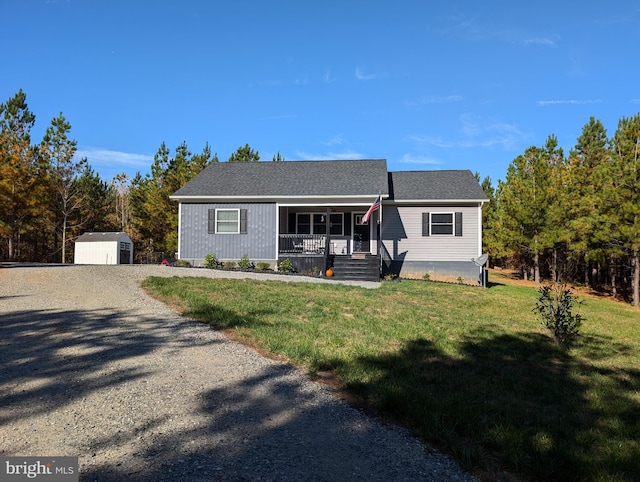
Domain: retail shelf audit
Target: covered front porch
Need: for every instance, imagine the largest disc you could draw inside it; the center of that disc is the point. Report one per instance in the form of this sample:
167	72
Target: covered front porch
308	230
312	237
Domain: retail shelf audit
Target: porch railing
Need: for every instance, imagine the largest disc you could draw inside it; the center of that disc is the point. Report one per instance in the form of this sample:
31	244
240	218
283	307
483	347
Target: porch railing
309	244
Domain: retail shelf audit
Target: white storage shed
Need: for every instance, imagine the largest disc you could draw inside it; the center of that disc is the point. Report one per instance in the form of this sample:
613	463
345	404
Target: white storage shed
104	248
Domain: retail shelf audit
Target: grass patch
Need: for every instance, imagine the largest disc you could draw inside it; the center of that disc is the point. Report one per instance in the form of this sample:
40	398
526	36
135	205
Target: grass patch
469	370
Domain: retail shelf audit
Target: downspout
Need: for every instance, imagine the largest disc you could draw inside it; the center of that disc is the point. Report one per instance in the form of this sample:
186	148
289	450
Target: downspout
278	231
482	268
379	236
480	228
179	229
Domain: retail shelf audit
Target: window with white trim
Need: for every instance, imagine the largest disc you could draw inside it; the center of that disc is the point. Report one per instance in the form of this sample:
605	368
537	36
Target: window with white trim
442	224
227	221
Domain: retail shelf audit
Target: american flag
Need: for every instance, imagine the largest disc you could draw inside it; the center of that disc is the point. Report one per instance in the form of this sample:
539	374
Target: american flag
372	208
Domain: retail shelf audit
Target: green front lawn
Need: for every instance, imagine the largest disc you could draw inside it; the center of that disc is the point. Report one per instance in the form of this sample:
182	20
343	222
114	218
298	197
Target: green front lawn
468	370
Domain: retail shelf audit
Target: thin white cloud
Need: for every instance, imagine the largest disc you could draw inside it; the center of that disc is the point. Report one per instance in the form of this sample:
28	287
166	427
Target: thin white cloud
478	30
327	78
544	103
483	132
547	41
460	25
474	131
337	140
428	140
360	74
433	99
105	157
333	155
635	101
413	159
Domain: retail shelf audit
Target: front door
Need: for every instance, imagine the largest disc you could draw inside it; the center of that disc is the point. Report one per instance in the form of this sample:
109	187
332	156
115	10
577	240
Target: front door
361	234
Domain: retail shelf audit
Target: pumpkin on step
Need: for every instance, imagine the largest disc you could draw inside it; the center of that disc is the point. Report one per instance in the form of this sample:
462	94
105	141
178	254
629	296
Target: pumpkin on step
329	273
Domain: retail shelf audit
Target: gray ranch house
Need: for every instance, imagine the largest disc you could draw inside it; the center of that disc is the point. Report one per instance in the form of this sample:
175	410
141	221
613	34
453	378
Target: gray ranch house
311	212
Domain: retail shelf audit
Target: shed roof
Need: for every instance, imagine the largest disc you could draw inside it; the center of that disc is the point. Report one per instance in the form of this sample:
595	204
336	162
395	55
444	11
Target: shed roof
289	178
101	237
459	185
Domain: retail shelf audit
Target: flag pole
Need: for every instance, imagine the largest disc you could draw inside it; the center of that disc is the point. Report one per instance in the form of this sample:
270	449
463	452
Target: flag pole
327	240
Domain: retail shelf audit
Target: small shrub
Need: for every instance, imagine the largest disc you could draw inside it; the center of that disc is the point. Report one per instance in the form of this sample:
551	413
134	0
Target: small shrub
244	262
211	261
426	276
286	266
183	263
460	280
262	266
555	308
228	265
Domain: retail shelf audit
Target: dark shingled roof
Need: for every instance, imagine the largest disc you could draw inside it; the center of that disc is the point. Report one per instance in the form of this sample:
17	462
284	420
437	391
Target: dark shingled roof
289	178
100	237
435	185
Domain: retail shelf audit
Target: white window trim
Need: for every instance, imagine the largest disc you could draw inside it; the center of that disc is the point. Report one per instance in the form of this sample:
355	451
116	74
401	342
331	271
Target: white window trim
453	224
237	210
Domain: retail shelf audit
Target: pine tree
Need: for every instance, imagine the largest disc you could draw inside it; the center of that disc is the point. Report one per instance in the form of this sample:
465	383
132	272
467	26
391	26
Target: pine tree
524	199
622	192
556	229
21	173
584	186
244	154
96	197
489	219
60	151
154	215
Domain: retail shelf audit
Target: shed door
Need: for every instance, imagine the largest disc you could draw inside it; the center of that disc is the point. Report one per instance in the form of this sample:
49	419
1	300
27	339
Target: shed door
125	253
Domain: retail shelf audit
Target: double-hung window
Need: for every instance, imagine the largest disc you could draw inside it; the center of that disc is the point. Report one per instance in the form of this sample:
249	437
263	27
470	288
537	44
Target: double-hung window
227	221
442	224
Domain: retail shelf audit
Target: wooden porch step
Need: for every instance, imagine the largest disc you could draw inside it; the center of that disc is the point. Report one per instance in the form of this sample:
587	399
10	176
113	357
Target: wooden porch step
364	268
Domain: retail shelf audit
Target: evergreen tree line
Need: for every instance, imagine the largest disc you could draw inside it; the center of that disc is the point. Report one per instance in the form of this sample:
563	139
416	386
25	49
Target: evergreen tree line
572	218
48	198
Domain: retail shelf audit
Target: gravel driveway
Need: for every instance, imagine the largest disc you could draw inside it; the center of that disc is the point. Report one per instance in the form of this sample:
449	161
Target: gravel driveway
90	366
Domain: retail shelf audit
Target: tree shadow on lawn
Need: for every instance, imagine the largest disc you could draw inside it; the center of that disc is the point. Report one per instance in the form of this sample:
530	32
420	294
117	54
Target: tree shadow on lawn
515	404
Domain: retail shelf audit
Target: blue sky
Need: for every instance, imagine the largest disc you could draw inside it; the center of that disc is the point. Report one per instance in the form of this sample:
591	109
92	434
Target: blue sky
425	85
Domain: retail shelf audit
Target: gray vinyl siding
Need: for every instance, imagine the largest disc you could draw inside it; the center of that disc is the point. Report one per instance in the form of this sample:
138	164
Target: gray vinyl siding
259	243
402	235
